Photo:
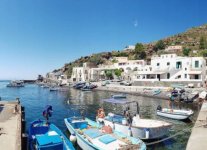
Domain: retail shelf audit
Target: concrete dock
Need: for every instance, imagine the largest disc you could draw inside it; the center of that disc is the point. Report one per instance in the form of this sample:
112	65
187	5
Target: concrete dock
198	137
10	125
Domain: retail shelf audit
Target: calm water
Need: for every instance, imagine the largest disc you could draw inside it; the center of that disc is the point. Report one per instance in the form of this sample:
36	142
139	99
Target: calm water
67	104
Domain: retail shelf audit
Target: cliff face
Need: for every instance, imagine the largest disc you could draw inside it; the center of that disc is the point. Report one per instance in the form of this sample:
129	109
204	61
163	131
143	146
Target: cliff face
189	39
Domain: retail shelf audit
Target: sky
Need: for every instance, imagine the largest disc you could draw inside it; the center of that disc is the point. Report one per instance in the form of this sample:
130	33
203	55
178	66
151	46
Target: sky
38	36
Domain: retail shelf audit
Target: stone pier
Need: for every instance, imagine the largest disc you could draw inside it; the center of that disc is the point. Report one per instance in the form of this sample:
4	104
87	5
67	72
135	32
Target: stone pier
10	125
198	137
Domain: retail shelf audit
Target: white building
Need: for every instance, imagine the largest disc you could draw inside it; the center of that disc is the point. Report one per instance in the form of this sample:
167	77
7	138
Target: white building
80	73
170	67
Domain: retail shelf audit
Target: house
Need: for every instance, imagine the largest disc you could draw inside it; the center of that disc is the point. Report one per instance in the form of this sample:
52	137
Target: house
170	67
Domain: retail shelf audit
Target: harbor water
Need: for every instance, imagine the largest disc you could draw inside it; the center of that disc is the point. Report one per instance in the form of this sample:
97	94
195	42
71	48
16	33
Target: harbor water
66	104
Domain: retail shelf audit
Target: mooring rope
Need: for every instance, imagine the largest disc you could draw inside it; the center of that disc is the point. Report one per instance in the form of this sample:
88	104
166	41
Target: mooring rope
178	133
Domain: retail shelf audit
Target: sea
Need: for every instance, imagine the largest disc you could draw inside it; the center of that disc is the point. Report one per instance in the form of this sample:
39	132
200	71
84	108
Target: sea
70	103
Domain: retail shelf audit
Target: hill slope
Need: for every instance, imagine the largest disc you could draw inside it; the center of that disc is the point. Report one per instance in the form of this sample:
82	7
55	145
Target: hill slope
189	39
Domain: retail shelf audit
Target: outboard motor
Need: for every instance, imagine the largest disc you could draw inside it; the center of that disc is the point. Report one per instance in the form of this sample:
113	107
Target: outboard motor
159	108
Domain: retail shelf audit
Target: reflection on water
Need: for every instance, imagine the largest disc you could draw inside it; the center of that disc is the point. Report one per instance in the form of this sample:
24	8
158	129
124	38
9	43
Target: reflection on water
67	104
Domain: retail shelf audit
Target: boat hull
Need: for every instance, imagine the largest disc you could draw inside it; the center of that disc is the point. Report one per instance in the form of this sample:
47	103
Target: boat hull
39	129
173	116
81	142
139	132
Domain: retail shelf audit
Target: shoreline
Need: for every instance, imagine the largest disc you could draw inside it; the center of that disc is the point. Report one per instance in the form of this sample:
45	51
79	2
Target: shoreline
141	90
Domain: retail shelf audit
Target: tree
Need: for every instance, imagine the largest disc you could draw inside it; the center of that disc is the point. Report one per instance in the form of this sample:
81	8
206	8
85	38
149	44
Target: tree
159	46
96	59
139	48
109	74
118	72
139	51
203	43
186	51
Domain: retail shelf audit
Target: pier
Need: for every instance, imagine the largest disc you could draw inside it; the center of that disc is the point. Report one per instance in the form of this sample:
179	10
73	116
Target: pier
198	137
11	125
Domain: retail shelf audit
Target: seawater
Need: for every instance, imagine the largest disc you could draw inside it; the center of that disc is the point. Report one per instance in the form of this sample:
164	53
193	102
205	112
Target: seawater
66	104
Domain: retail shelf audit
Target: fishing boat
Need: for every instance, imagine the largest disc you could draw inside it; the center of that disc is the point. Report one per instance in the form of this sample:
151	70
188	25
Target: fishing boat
92	136
54	89
16	83
174	113
145	129
44	135
119	96
156	92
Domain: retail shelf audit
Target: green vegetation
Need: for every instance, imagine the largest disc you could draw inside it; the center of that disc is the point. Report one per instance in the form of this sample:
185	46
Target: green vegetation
186	51
203	43
118	72
160	45
109	74
140	51
96	59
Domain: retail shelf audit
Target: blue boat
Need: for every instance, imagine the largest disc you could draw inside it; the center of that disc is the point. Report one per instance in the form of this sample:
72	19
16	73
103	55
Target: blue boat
46	136
93	136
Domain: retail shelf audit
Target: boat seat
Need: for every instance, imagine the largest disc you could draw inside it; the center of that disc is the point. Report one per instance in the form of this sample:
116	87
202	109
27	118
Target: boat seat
106	139
92	133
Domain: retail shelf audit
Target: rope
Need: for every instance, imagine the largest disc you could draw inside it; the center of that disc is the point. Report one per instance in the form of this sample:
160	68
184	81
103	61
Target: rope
178	133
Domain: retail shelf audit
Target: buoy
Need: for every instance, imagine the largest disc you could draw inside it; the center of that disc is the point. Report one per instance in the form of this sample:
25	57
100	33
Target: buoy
73	138
129	131
147	133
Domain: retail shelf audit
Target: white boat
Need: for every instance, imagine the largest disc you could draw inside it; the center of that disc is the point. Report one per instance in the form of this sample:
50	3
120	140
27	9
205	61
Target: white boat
54	89
16	83
174	113
119	96
140	128
203	95
92	136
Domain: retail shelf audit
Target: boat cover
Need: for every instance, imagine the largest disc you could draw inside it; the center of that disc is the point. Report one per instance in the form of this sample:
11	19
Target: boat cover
47	139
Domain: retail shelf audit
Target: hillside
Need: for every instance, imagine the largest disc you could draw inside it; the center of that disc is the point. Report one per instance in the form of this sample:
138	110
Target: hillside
191	39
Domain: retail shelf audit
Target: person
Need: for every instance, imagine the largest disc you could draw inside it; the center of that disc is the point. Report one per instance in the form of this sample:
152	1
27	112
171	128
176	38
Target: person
100	115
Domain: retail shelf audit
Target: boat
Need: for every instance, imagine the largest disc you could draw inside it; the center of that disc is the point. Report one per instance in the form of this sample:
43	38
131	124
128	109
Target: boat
119	96
174	113
44	135
203	95
145	129
92	136
54	89
156	92
79	85
16	83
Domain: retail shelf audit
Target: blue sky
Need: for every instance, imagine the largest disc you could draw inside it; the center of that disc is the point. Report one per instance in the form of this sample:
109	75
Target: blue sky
38	36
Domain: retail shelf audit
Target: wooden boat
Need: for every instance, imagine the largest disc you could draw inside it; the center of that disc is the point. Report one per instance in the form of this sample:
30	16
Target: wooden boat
174	113
156	92
119	96
141	128
47	136
53	89
92	136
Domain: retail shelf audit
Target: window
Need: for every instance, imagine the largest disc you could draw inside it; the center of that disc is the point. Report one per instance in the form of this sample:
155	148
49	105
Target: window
196	64
168	75
168	63
158	64
185	75
178	65
185	68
